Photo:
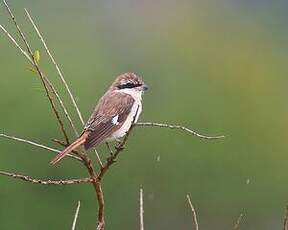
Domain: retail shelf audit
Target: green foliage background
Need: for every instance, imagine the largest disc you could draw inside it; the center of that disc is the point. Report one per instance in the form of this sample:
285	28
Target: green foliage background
219	67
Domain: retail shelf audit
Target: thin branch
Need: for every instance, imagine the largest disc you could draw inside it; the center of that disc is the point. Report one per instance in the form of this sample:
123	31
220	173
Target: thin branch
17	26
54	91
98	158
35	144
238	221
141	210
45	182
16	44
285	222
98	189
57	67
194	215
76	216
163	125
59	72
35	64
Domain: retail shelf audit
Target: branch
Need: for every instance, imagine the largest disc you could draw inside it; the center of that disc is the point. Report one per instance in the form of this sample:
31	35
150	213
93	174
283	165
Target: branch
141	210
194	215
76	216
98	189
16	44
98	158
163	125
45	182
37	145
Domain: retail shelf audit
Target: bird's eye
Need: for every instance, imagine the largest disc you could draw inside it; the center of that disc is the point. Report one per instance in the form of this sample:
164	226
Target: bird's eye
128	85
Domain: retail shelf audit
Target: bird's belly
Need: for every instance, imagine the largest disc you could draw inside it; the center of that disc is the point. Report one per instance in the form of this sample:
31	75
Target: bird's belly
126	126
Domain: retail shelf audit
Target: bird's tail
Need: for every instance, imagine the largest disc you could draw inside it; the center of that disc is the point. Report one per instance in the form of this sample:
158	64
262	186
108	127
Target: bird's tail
79	141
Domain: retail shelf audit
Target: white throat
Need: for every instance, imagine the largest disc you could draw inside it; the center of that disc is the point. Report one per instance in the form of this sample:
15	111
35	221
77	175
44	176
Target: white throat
136	94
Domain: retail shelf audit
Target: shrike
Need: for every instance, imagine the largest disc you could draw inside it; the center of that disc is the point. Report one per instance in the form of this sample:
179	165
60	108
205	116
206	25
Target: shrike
113	115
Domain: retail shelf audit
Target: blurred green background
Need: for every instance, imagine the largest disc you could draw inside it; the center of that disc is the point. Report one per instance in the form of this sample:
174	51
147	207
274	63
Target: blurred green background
219	67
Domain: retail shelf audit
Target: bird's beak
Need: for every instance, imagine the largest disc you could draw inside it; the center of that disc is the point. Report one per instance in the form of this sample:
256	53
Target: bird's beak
145	87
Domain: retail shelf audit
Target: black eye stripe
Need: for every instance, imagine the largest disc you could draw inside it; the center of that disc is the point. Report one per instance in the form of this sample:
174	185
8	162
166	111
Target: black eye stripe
128	85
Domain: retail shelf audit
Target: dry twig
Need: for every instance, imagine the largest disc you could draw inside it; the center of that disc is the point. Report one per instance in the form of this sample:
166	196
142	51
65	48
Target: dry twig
194	215
163	125
141	210
76	216
15	43
36	145
45	182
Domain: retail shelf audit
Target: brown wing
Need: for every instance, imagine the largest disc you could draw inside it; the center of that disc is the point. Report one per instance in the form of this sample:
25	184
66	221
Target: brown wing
100	124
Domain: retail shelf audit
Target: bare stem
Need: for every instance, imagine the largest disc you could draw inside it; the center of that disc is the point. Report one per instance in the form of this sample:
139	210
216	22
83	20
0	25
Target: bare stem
141	210
98	189
98	158
163	125
194	215
45	182
16	44
35	144
76	216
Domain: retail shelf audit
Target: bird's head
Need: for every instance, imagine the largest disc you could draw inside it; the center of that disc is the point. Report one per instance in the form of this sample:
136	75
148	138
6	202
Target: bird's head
129	82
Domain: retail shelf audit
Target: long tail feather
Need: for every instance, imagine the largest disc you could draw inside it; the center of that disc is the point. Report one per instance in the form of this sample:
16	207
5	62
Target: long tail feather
70	148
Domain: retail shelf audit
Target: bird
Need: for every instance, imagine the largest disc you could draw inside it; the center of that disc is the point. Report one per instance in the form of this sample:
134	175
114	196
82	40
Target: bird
113	115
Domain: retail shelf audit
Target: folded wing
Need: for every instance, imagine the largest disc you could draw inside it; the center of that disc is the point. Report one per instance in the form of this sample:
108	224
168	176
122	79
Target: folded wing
109	115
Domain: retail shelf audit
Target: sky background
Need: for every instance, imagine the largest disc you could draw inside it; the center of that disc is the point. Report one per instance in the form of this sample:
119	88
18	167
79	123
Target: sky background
218	67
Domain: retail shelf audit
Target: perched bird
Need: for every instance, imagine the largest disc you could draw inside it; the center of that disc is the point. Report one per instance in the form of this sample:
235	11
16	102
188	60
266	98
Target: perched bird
113	115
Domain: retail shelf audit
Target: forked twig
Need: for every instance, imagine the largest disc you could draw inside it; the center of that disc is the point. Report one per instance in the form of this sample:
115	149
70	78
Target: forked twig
45	182
163	125
194	215
76	216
